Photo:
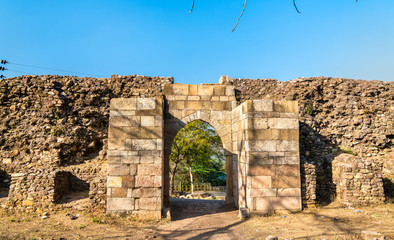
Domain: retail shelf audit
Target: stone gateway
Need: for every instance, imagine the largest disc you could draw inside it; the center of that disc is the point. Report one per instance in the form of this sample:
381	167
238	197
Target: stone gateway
260	139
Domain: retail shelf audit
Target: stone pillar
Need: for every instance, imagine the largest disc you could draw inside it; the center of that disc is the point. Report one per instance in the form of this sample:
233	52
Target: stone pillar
267	144
135	157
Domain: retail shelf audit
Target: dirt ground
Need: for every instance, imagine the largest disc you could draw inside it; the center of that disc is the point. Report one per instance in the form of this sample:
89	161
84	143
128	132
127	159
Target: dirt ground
204	219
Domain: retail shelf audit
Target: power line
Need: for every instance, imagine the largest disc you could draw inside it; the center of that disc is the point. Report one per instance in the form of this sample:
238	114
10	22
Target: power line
21	72
54	69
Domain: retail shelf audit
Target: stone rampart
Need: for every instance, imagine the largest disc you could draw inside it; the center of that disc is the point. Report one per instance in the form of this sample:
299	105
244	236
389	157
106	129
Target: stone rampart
53	122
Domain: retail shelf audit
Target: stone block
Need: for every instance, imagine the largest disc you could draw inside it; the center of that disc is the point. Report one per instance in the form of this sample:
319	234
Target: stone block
147	121
119	192
116	144
287	134
289	192
128	181
194	105
193	90
131	159
270	204
263	105
149	169
144	181
286	182
260	123
283	123
260	145
287	160
287	170
230	90
181	89
124	121
114	181
146	103
263	192
286	106
150	132
148	204
118	170
287	146
193	98
123	104
205	90
262	170
143	144
168	89
260	182
120	204
219	90
150	193
114	159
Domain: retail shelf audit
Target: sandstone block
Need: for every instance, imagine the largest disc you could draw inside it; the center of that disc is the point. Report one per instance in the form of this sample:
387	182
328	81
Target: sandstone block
284	145
286	106
286	182
181	89
263	192
148	204
219	90
287	170
124	121
260	182
260	123
168	89
260	145
193	90
128	181
123	104
263	105
119	192
114	181
118	170
148	121
205	90
120	204
283	123
149	169
270	204
146	103
289	192
144	181
143	144
262	170
116	144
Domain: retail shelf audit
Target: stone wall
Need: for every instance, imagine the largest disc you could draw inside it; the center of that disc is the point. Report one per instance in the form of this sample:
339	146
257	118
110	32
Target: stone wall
135	157
335	115
358	181
48	122
270	156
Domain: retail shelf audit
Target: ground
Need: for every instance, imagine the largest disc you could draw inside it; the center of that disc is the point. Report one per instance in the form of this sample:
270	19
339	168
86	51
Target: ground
204	219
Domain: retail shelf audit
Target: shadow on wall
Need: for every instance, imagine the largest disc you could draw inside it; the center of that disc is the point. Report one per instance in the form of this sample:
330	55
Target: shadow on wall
5	181
69	187
388	186
316	155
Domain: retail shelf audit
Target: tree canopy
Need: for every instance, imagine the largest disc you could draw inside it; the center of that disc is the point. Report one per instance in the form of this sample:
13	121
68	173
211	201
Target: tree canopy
197	155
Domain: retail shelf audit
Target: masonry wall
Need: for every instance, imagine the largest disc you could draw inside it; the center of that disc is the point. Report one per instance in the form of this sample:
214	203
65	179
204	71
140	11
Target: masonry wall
270	157
62	121
135	157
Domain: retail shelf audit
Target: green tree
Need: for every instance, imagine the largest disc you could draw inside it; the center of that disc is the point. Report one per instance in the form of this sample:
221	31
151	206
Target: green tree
196	153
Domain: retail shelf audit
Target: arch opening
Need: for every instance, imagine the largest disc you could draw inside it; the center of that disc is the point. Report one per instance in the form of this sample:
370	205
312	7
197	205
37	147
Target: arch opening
198	171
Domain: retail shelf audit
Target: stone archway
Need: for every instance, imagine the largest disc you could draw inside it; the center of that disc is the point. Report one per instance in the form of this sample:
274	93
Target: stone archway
260	138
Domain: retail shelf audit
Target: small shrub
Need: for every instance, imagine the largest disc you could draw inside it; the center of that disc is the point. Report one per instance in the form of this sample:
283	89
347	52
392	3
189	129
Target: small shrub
96	220
12	219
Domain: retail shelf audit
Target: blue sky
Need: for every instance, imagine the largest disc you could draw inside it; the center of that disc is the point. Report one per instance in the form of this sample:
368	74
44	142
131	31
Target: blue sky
338	38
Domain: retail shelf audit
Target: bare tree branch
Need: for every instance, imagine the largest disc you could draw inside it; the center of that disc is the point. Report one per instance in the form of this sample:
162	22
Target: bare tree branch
240	16
191	10
297	8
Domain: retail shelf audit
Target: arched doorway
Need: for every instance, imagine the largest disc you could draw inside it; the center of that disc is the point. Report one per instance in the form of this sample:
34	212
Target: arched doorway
198	170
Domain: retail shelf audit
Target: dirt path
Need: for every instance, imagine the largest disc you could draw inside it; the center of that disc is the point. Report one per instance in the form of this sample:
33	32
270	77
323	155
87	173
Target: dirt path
205	220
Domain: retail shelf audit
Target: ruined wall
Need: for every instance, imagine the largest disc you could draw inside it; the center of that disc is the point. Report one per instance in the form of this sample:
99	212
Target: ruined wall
336	115
358	182
51	123
56	121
